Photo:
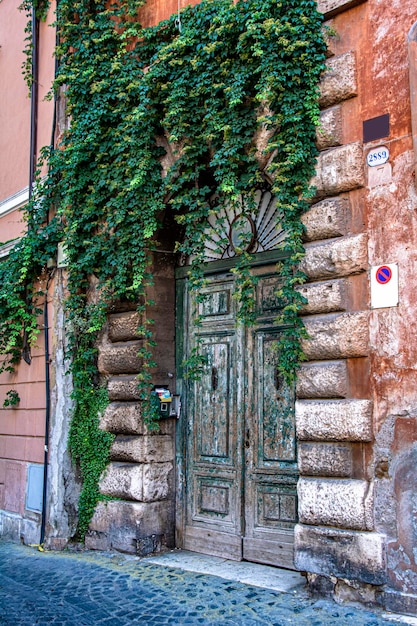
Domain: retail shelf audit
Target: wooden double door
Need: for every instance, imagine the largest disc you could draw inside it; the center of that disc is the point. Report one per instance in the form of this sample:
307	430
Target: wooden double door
237	468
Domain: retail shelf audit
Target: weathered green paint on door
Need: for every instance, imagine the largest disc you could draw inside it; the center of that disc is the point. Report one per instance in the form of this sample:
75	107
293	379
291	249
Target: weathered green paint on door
237	466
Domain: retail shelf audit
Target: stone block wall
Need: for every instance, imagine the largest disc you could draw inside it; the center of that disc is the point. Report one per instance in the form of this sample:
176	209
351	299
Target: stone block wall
139	480
336	533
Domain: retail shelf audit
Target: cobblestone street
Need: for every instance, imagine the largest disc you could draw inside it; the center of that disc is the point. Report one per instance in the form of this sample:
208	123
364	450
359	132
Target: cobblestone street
89	588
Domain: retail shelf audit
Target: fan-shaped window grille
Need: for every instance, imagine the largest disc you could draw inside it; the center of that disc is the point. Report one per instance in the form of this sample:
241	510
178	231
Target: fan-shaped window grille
235	229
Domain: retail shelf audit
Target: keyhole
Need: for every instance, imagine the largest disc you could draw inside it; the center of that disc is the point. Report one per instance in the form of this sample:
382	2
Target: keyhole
214	378
277	380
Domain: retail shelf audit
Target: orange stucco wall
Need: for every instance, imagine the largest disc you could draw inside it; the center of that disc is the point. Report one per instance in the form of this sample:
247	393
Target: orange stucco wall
15	107
21	429
14	102
157	10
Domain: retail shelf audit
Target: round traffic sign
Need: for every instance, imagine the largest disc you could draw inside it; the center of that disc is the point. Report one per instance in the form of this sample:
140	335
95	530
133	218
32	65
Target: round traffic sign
383	274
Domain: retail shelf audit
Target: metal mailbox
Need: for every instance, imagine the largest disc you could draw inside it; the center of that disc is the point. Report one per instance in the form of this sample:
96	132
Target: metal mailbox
168	405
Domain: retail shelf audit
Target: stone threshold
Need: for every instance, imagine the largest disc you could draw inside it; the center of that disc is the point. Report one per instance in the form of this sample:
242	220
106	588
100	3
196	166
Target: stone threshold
264	576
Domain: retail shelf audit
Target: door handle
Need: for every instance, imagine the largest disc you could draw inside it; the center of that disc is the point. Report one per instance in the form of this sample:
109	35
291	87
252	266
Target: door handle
277	380
214	378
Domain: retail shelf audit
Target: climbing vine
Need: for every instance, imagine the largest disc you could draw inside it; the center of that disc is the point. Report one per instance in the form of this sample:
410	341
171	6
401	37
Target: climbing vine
162	120
39	9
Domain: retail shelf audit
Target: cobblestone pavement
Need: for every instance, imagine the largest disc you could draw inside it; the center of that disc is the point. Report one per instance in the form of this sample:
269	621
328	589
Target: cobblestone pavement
106	589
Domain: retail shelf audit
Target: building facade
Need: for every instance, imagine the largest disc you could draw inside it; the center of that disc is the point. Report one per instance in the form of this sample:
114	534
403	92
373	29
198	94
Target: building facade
323	481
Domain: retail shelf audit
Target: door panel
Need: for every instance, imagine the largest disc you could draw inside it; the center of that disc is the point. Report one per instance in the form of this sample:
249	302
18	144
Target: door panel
240	469
214	401
214	455
270	463
215	543
274	403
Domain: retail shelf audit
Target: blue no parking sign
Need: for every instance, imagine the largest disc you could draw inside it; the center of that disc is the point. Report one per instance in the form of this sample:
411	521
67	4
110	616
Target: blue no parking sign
384	285
383	274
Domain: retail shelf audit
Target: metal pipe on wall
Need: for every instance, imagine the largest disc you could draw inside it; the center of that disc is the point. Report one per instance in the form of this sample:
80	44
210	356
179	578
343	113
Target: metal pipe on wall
46	319
33	149
34	101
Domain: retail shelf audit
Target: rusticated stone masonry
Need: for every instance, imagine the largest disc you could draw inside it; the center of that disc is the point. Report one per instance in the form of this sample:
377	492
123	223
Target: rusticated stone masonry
139	518
335	535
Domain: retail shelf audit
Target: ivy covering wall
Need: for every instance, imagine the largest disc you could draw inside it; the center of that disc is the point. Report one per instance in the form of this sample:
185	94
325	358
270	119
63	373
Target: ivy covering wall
201	92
